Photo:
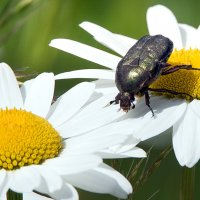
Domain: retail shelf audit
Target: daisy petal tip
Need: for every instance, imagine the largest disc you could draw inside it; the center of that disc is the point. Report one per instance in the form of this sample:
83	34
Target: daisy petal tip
161	20
55	42
89	26
181	160
84	23
189	165
162	11
192	163
127	190
5	65
157	8
46	75
51	43
142	153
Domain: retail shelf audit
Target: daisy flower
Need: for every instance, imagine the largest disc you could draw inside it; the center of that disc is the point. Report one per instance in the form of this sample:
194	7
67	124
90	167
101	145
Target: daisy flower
48	149
182	115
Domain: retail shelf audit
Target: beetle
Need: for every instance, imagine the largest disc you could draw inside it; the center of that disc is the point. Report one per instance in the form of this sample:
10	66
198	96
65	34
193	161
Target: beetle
145	61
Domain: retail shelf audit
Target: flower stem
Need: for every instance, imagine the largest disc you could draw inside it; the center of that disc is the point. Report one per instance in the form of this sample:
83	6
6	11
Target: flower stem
187	183
11	195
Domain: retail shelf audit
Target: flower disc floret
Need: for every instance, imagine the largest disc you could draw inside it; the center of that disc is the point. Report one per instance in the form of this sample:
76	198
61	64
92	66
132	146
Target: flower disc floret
26	139
184	80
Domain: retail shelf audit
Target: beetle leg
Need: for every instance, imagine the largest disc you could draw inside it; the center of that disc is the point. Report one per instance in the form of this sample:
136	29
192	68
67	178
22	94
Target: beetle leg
111	102
132	100
147	100
163	65
177	67
133	105
117	99
169	91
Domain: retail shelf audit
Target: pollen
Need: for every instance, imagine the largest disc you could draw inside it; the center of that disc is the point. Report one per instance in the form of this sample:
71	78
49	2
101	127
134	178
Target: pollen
26	139
184	82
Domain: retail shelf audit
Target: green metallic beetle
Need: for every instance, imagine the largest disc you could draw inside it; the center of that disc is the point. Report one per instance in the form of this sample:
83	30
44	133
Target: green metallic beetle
144	63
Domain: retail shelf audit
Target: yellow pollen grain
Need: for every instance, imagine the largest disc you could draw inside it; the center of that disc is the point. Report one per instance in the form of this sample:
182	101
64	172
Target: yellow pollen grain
26	139
182	81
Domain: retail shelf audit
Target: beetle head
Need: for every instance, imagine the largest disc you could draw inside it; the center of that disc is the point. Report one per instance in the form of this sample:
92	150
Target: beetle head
126	100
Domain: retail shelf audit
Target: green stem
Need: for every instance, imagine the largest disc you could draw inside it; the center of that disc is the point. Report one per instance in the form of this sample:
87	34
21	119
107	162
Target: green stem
14	196
187	183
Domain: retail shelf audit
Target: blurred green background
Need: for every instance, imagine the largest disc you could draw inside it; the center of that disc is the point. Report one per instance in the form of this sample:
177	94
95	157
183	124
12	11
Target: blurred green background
27	27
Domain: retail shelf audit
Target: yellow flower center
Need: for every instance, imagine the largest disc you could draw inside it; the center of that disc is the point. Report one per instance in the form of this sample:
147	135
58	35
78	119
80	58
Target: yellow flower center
26	139
182	81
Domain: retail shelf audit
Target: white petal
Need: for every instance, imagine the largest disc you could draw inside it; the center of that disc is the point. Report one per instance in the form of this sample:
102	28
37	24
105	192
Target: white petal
22	176
167	112
4	184
129	42
161	20
86	52
69	103
103	87
52	179
10	95
189	36
40	96
87	73
102	180
125	149
72	164
66	192
92	116
2	177
97	139
34	196
3	196
134	153
106	84
198	37
105	37
26	88
130	142
195	106
186	138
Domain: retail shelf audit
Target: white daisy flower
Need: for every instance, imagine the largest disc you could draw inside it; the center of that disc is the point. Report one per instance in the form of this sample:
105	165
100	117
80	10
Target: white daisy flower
182	115
51	148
